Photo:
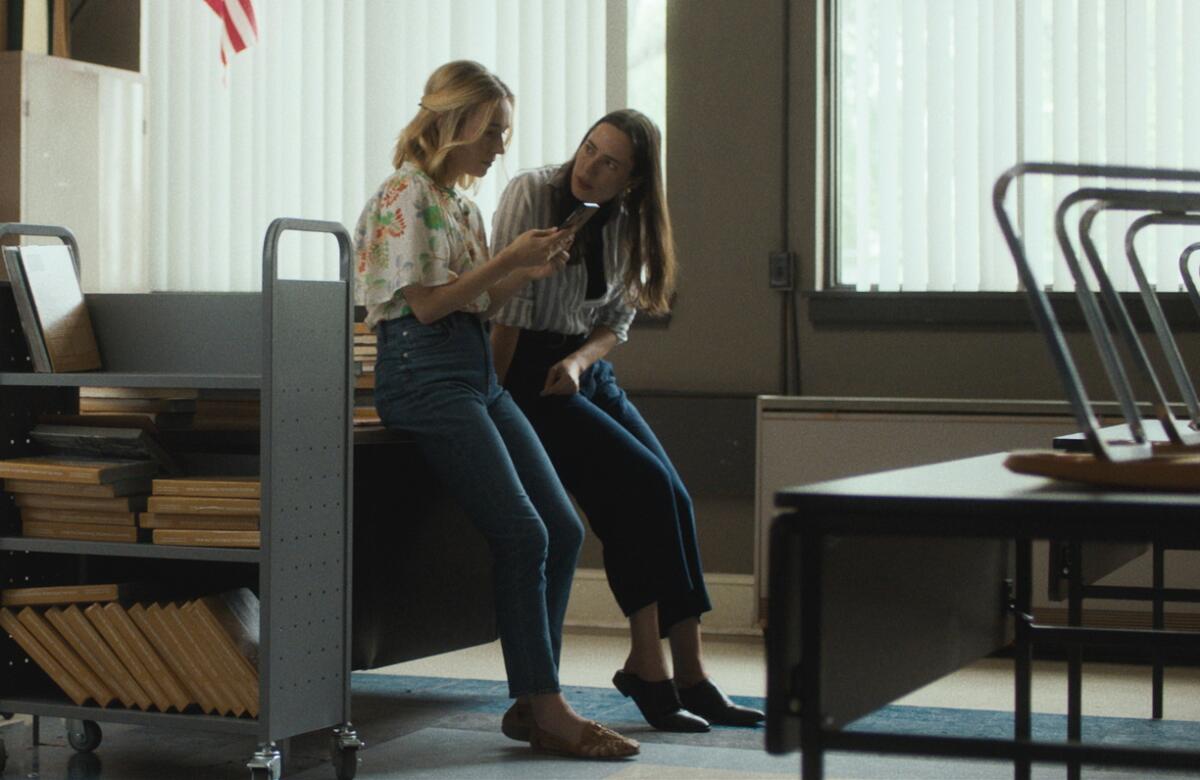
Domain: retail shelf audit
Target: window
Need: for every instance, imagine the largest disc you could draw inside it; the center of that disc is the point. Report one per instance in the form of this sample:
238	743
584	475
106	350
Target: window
302	123
935	98
646	72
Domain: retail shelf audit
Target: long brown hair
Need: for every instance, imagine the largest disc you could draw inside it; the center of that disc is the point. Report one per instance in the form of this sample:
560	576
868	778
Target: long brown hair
452	93
650	278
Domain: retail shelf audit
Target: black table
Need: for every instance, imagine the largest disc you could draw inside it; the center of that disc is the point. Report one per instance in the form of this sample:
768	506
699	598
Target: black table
1078	568
883	583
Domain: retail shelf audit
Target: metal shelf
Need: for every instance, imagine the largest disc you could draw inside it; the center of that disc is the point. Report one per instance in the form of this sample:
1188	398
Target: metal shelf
124	379
292	343
62	708
130	550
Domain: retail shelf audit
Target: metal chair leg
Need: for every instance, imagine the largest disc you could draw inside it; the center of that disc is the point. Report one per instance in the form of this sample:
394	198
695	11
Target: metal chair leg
1156	683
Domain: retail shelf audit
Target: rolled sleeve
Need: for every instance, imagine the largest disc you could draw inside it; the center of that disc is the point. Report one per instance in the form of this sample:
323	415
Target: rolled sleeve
419	251
517	311
617	316
402	240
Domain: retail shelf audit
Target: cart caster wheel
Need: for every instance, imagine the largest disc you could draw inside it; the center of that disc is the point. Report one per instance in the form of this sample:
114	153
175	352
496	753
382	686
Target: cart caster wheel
343	751
345	763
266	763
6	715
84	735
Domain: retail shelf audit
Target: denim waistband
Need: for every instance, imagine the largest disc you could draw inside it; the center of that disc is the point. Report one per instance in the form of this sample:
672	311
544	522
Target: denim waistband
455	319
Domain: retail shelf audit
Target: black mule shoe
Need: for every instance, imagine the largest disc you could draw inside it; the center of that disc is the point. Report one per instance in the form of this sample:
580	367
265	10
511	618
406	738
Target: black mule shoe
659	703
707	701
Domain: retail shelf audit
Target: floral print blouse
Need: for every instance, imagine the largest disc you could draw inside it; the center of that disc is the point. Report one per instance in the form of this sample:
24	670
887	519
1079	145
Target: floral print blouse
413	231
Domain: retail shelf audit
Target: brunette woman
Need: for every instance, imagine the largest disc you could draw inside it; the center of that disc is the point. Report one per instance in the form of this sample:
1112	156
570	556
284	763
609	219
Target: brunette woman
550	340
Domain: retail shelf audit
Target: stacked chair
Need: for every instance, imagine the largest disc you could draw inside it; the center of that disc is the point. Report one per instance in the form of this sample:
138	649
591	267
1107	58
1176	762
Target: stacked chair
1160	453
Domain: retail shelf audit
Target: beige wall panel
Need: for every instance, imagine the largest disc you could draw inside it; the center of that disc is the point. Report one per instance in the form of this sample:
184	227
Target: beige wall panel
725	85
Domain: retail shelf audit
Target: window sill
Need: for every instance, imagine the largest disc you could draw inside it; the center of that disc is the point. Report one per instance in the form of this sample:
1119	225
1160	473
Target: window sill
844	308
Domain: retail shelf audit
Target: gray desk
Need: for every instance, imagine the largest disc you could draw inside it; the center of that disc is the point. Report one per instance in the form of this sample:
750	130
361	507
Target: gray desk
883	583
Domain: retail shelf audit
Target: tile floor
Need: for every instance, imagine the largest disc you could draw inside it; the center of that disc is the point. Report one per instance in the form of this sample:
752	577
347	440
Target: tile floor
419	749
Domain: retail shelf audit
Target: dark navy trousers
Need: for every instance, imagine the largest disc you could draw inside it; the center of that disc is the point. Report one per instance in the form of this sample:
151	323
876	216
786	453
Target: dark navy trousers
621	477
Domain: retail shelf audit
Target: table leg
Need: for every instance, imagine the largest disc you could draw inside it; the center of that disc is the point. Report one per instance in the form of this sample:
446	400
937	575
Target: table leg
812	764
1156	683
1023	656
1074	652
812	759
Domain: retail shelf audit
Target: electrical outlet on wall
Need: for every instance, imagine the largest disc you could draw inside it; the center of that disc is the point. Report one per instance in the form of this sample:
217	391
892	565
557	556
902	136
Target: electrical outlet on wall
780	269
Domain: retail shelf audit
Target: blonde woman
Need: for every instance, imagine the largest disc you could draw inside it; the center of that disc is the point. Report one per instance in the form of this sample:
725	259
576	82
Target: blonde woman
550	342
424	273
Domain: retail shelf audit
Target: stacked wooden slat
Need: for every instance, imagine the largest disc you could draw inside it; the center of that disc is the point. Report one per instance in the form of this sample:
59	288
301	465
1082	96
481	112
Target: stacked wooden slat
201	653
227	410
88	499
366	350
167	408
205	511
175	409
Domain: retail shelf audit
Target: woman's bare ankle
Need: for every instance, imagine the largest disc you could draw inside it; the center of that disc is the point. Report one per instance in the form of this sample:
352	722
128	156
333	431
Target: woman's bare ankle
686	679
552	713
649	670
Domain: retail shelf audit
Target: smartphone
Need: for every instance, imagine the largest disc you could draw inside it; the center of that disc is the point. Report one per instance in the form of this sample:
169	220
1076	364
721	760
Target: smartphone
579	216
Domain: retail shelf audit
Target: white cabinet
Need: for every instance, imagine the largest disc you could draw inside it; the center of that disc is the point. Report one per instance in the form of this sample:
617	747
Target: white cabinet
72	152
803	440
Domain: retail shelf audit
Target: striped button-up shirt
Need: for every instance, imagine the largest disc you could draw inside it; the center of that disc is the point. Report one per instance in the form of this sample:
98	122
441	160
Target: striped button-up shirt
559	303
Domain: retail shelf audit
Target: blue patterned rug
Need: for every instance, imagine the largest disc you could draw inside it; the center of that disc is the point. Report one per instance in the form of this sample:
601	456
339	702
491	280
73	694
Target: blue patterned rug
429	728
478	704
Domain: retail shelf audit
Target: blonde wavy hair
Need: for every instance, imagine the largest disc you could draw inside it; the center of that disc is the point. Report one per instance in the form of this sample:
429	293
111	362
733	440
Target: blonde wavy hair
452	94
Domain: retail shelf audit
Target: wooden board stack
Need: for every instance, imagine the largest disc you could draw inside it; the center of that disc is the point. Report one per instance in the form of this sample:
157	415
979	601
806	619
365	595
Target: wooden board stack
87	499
365	353
204	512
170	656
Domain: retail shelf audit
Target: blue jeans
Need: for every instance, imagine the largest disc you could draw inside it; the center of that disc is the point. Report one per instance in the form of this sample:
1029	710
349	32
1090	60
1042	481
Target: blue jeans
622	478
437	382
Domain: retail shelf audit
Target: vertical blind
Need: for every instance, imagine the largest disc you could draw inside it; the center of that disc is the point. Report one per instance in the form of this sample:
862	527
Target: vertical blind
935	98
303	122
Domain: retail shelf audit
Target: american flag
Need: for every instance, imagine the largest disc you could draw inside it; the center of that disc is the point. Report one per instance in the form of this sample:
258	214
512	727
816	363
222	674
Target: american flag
241	29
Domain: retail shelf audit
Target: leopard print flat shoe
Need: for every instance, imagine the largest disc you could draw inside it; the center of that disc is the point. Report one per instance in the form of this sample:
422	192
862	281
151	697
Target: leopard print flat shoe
595	741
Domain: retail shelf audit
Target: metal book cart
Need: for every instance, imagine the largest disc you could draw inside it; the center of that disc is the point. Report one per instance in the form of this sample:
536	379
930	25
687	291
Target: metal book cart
292	344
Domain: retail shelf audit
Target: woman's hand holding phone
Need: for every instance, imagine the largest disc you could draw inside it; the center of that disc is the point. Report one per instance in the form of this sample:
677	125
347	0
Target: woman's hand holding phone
537	254
535	248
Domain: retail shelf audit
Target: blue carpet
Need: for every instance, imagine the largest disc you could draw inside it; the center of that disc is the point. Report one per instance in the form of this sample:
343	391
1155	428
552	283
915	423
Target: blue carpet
951	722
478	705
